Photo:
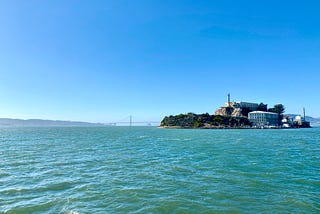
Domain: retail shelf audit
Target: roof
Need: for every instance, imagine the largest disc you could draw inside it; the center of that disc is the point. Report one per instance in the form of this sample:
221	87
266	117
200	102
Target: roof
262	112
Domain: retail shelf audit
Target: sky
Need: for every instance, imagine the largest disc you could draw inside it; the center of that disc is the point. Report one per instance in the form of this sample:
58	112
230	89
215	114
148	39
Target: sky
100	61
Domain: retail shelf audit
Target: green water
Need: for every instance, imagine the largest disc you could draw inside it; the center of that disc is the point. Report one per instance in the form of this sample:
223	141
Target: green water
150	170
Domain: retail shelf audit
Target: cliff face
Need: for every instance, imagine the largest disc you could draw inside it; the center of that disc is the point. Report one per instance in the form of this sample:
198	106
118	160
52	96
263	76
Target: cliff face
237	112
221	111
229	111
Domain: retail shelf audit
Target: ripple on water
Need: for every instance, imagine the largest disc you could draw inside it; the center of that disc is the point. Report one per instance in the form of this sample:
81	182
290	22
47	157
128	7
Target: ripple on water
149	170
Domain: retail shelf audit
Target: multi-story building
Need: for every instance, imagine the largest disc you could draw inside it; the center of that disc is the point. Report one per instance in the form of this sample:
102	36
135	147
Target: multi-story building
263	118
250	106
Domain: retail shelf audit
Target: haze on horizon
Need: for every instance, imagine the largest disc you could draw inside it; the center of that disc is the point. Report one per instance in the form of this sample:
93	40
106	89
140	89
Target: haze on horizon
100	61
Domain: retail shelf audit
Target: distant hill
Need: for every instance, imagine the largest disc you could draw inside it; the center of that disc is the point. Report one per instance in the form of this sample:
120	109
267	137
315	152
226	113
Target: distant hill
8	122
313	121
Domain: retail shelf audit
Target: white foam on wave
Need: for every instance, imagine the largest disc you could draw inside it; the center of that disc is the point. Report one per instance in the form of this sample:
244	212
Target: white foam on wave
142	136
71	212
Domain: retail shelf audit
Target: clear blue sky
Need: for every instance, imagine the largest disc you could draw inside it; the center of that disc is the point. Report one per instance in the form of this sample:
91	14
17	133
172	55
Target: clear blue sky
102	60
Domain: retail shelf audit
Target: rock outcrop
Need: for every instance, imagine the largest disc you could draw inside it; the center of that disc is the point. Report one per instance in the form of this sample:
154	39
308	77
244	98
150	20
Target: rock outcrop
229	111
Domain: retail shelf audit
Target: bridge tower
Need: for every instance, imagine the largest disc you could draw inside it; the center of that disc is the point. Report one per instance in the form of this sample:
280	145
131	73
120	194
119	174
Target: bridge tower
130	120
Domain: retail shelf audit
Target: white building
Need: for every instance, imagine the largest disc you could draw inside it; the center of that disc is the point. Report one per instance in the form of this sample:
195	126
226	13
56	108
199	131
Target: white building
299	120
263	118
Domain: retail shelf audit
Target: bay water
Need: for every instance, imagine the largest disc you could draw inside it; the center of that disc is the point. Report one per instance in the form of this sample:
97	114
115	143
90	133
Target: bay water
151	170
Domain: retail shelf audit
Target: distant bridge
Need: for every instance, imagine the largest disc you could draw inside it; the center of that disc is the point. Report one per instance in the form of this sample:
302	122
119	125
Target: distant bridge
128	121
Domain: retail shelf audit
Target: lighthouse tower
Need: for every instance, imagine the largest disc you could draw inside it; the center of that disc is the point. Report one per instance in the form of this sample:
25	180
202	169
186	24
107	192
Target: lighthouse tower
228	100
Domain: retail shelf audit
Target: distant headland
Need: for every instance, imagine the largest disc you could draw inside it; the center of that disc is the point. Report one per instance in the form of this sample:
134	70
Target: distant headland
8	122
239	115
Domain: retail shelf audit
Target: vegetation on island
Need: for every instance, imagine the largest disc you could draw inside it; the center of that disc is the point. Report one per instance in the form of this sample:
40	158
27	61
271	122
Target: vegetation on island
262	107
192	120
229	117
279	109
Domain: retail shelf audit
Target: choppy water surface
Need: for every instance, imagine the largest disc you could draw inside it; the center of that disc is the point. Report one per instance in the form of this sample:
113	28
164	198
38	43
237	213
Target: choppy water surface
150	170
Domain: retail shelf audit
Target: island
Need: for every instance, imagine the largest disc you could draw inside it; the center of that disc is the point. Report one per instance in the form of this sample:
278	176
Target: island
238	115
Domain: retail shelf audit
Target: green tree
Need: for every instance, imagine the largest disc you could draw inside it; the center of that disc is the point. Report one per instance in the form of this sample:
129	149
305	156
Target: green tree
229	110
279	109
245	111
198	124
217	120
262	107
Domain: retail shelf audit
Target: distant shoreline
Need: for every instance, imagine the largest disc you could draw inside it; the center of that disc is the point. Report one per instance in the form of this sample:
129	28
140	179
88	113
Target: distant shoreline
8	122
